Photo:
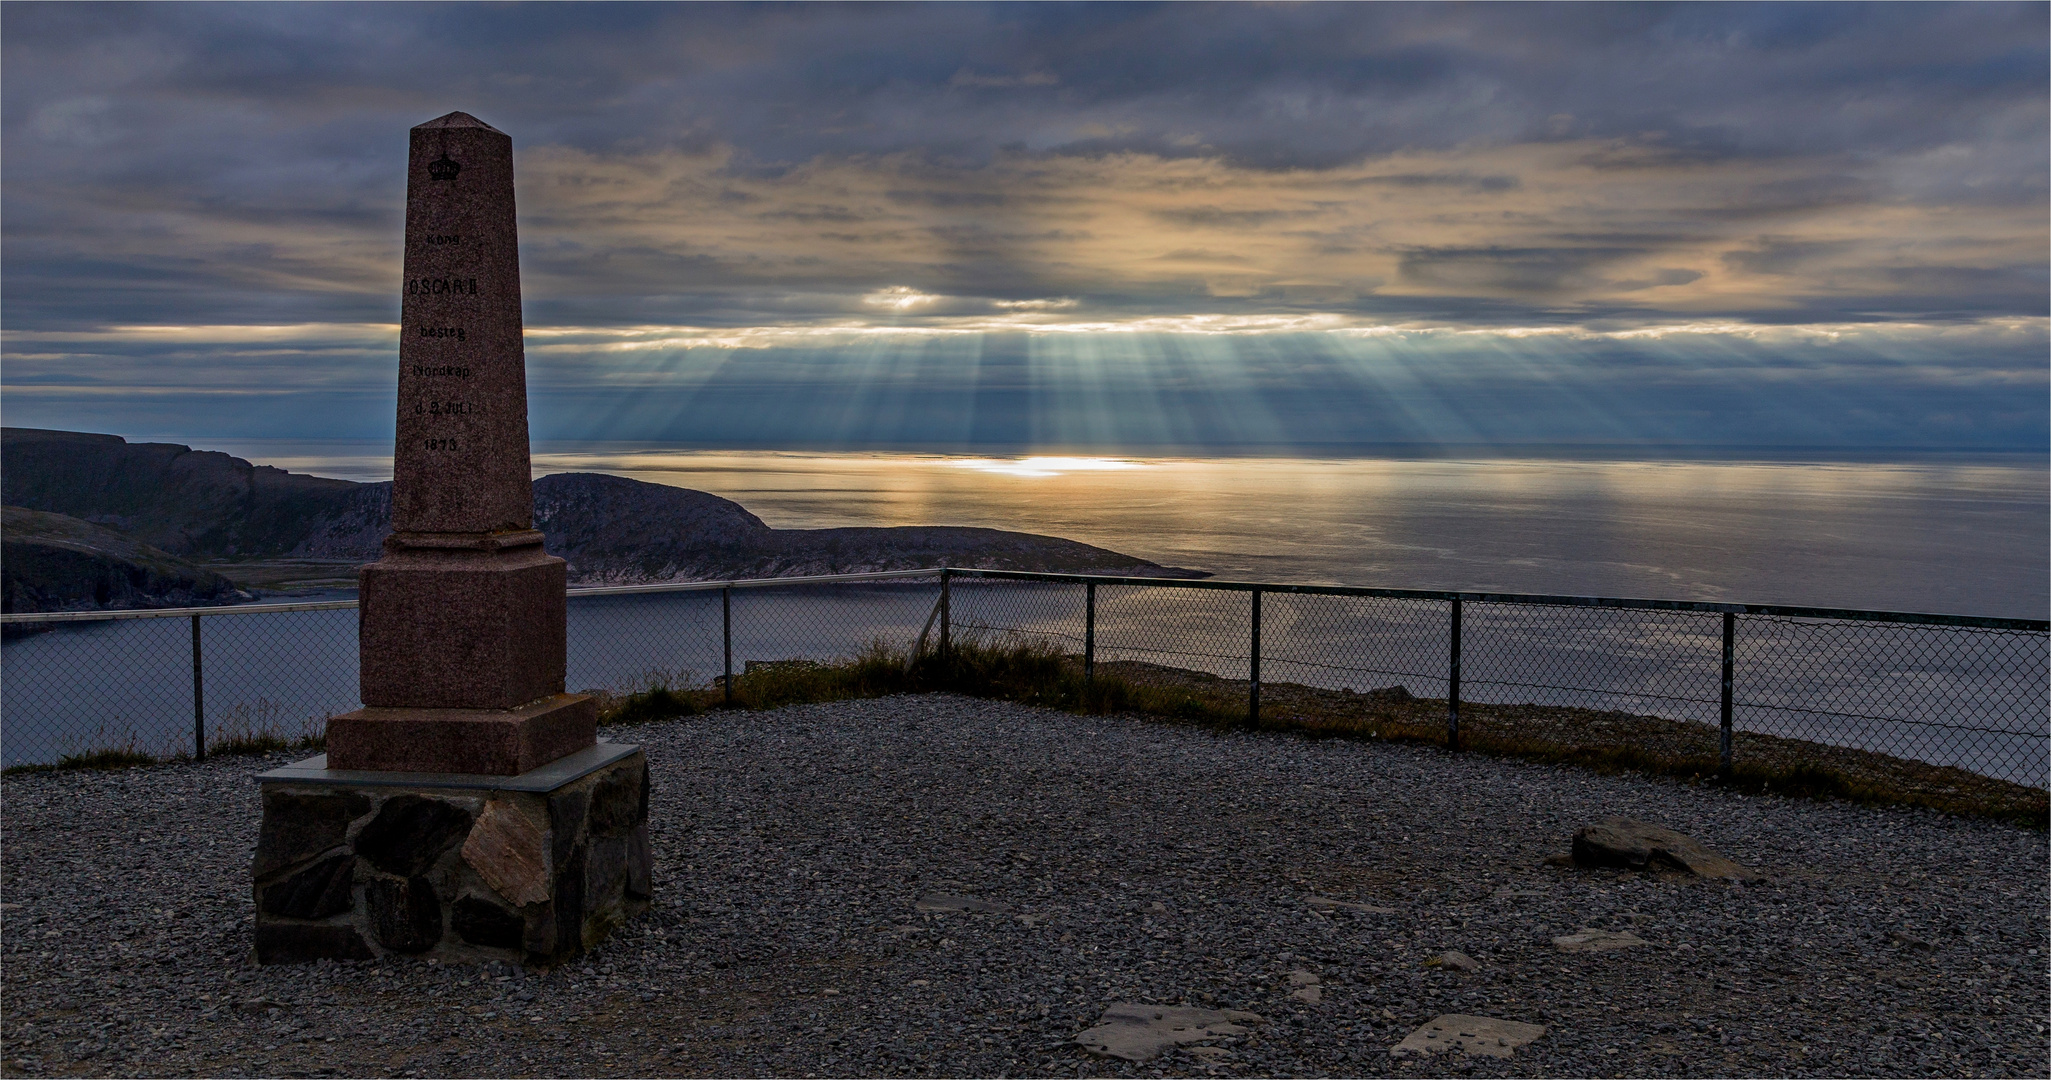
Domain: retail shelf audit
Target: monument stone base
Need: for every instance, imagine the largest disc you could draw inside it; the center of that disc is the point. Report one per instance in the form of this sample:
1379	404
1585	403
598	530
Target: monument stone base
497	742
531	869
472	621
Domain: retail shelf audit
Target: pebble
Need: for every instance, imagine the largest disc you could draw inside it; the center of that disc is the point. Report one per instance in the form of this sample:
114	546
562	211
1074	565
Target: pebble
1457	961
1136	863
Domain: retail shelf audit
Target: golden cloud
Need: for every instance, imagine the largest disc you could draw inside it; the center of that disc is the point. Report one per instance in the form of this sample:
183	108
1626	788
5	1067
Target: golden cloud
1565	224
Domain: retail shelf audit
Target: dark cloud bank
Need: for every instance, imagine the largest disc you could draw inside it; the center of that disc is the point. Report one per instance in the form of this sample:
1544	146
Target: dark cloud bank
1586	169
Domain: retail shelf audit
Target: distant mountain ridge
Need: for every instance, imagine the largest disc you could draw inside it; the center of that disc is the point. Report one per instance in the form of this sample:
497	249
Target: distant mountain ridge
186	502
612	530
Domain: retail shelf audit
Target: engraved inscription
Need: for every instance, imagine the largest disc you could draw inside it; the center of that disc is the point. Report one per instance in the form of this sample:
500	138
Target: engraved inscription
439	239
441	444
443	332
441	286
443	408
429	371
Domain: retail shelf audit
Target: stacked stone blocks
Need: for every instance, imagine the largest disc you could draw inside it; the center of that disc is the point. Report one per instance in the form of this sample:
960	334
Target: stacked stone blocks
462	874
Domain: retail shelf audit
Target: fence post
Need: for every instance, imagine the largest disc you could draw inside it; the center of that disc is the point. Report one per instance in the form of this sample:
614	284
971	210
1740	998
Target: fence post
199	708
1730	627
726	619
946	619
1089	634
1453	684
1253	697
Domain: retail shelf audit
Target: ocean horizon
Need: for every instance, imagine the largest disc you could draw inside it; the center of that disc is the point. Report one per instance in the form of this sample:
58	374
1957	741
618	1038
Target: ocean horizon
1964	533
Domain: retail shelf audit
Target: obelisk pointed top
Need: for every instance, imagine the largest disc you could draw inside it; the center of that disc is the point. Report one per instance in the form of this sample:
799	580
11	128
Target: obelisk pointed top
461	462
456	120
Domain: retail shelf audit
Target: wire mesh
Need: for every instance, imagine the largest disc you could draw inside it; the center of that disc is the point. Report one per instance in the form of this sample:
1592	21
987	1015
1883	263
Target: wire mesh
1967	696
1002	613
74	687
622	644
1657	663
1194	629
128	684
828	622
1355	642
278	673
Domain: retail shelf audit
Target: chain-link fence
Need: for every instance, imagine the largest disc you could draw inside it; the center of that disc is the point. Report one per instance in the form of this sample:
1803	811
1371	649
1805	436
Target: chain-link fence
1950	690
172	681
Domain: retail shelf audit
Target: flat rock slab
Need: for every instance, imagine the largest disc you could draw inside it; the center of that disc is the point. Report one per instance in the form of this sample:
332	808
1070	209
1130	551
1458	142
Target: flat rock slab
1483	1035
1597	941
967	904
1134	1032
1454	961
1324	903
1636	845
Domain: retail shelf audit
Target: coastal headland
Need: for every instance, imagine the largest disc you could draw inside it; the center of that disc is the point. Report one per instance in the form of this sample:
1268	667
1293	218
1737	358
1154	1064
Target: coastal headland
266	530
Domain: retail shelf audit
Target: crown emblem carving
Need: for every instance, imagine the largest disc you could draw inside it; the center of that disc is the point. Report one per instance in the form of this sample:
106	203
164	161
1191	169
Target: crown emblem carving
443	169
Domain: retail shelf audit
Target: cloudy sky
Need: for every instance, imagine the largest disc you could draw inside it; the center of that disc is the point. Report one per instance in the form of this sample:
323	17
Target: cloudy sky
1217	228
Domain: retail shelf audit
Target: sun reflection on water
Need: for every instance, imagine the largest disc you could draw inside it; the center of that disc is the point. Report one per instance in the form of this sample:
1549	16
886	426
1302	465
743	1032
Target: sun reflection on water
1044	466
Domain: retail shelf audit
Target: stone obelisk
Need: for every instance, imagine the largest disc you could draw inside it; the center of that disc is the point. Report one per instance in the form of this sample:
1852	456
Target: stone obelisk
466	812
462	620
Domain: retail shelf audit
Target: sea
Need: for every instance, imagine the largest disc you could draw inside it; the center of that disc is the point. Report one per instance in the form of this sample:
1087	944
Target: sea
1968	535
1952	534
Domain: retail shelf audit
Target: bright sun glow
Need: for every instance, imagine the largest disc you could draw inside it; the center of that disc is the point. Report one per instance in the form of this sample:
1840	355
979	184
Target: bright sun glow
1044	466
898	297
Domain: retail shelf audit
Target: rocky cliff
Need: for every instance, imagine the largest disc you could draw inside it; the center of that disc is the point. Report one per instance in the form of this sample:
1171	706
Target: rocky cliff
612	530
50	562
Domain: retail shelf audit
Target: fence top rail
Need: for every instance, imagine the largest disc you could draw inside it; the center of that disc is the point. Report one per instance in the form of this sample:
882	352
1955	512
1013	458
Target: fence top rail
750	583
171	613
1983	622
340	605
2038	626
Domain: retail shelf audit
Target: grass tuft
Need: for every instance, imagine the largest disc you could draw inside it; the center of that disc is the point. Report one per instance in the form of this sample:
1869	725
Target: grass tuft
112	745
119	758
263	727
650	705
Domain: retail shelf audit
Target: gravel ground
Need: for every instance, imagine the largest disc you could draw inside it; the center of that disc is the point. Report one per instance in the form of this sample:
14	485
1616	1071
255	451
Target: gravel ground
1144	862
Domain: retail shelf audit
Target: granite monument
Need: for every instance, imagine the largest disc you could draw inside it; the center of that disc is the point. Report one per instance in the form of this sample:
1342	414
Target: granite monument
462	620
467	811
